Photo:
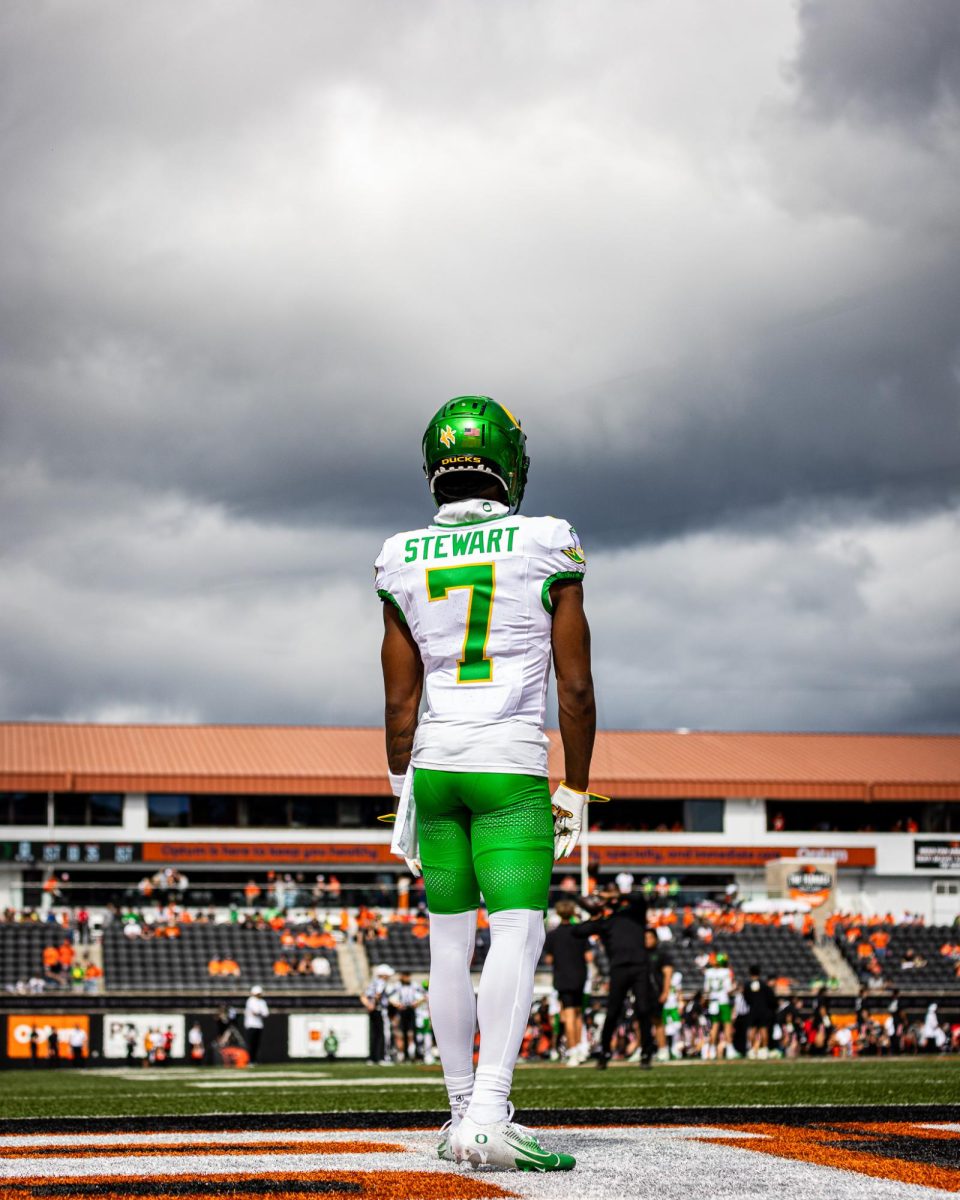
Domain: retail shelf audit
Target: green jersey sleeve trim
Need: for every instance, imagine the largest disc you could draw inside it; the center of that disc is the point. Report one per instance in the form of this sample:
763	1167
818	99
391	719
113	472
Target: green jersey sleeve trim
548	584
387	596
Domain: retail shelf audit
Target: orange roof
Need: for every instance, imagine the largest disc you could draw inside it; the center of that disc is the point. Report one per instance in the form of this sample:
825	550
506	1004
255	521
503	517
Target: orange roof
318	760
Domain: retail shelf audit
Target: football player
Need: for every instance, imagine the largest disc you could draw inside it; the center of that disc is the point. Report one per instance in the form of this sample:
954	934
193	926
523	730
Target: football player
475	606
719	986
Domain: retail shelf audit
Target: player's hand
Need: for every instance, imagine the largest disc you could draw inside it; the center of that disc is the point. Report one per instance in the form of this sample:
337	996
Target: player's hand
568	805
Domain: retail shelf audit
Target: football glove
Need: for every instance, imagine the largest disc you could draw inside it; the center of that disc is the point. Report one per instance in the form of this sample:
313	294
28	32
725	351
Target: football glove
397	783
414	866
568	805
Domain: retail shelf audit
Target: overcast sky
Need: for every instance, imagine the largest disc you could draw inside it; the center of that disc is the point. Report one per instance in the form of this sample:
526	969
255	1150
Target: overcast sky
707	253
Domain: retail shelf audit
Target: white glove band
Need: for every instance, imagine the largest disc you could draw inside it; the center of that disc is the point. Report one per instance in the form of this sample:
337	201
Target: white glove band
396	782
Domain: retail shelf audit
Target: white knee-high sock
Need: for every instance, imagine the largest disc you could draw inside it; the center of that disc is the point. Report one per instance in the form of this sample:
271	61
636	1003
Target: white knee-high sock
503	1007
453	1004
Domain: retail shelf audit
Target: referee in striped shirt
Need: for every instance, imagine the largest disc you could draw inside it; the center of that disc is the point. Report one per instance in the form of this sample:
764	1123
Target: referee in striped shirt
404	998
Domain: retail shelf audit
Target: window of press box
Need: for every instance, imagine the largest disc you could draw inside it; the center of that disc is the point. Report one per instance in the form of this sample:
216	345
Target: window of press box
23	808
198	810
661	815
87	808
168	811
858	816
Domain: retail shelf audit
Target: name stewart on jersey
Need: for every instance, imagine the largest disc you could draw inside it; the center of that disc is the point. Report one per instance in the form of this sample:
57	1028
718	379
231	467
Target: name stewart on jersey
474	591
461	543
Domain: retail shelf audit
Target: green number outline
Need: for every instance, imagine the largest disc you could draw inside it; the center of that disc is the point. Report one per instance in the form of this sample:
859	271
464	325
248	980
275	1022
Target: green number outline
480	579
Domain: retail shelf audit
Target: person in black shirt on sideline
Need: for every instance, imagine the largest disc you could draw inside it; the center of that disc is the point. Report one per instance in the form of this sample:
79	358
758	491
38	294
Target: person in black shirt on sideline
621	927
761	1013
568	954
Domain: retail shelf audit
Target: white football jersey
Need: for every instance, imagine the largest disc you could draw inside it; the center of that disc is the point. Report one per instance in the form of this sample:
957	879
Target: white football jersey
718	983
474	589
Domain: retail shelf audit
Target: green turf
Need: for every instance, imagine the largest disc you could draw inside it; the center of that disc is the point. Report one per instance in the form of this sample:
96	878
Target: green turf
322	1087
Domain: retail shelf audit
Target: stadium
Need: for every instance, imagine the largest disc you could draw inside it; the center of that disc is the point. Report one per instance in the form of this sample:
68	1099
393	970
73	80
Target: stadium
151	876
602	841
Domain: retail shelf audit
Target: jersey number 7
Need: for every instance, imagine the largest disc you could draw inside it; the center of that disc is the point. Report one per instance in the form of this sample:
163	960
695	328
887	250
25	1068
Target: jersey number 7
480	580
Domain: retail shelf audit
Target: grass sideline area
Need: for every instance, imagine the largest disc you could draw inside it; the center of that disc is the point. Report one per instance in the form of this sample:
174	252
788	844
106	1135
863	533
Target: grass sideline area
354	1087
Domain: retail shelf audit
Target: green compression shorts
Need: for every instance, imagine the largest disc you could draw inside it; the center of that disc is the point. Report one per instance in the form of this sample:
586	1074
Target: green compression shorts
484	832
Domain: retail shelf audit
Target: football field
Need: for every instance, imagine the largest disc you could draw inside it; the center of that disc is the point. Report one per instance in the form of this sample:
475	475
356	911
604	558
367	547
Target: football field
829	1128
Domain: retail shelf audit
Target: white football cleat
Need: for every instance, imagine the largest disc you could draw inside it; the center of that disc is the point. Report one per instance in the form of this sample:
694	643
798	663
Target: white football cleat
504	1144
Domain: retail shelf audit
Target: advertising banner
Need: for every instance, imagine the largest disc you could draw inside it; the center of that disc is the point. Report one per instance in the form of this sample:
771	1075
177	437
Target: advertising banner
810	885
121	1031
942	855
312	1035
358	854
21	1042
678	856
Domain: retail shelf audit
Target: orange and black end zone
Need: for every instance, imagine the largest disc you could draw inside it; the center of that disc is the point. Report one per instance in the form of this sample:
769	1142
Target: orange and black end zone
372	1185
915	1145
900	1150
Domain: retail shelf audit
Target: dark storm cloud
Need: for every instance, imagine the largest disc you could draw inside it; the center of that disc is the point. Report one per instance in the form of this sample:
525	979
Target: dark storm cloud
875	61
712	262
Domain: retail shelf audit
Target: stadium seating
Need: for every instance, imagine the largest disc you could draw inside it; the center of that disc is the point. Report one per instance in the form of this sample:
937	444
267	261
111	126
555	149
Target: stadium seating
930	970
183	962
400	949
21	950
779	952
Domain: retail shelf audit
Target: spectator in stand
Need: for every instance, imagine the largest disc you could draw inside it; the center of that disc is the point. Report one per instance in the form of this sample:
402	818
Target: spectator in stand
320	966
282	968
880	940
568	953
52	968
82	921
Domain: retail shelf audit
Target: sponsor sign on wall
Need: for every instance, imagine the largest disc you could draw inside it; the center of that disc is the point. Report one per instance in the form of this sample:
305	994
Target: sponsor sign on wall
810	885
680	855
20	1029
120	1029
308	1034
942	855
361	854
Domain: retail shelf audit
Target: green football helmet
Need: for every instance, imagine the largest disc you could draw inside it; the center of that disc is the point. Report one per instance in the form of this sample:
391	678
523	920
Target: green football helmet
475	433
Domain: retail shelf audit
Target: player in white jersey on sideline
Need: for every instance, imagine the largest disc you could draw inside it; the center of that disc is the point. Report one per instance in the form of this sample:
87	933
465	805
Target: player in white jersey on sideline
475	607
719	985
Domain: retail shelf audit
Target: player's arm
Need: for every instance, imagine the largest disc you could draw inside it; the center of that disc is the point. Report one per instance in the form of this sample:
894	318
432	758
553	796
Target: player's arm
667	976
571	659
402	687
